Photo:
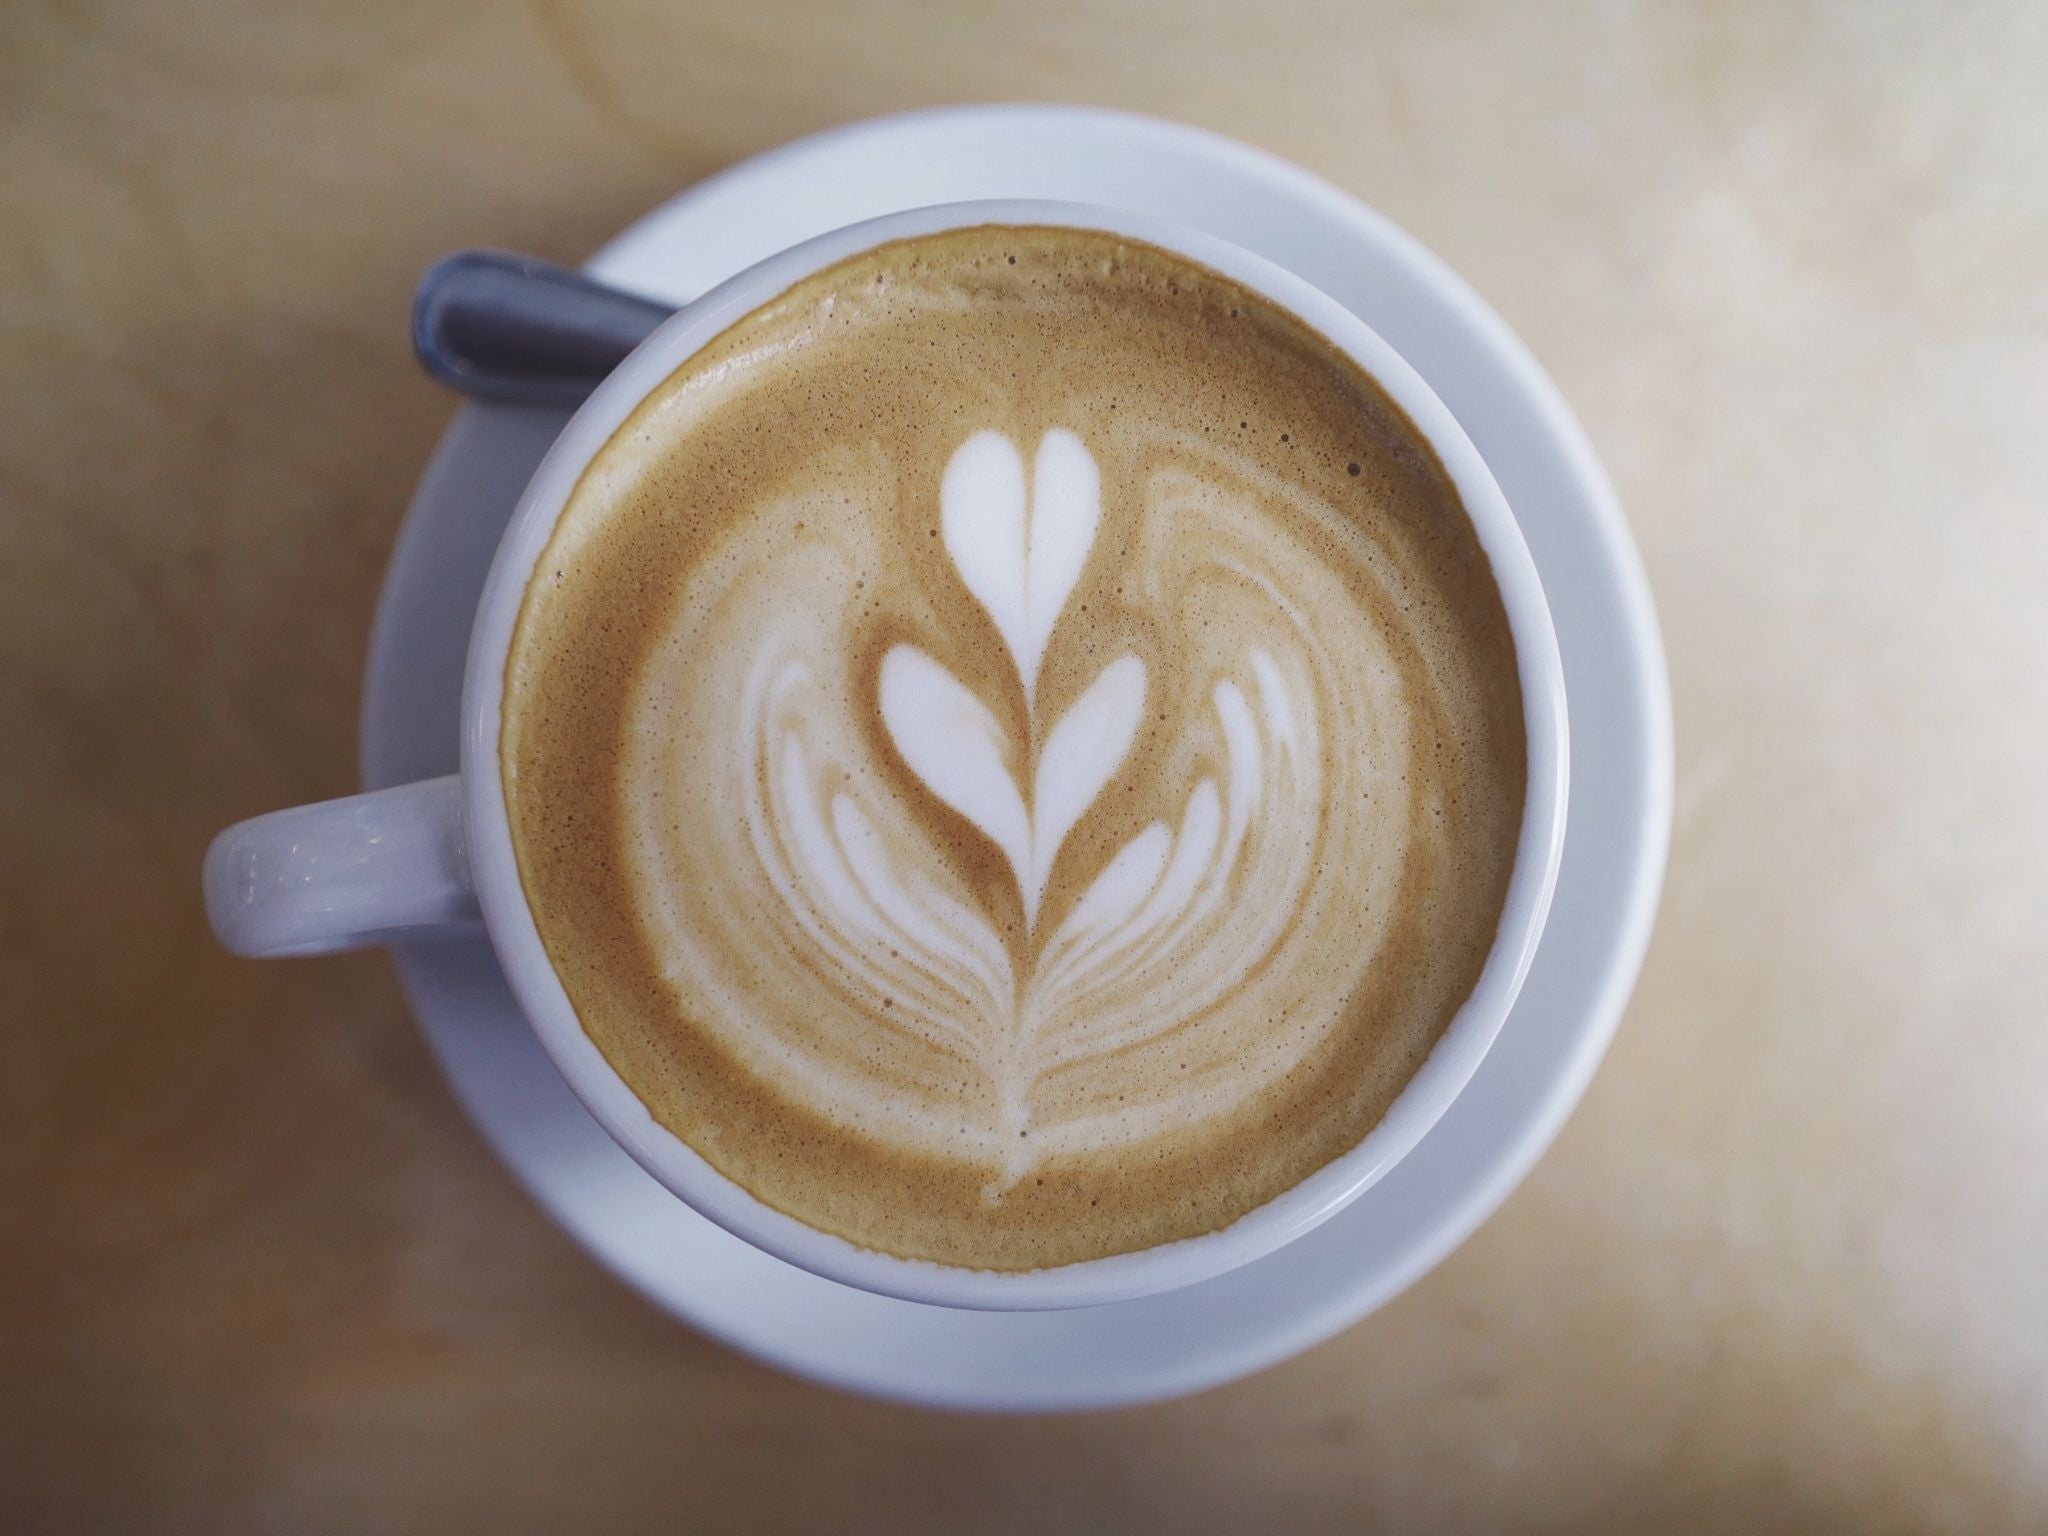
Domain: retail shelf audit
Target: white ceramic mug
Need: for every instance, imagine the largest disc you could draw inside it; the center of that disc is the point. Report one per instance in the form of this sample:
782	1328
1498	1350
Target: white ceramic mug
380	867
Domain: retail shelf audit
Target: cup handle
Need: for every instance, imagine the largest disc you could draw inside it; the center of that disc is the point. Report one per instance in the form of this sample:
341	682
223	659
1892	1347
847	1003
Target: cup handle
343	874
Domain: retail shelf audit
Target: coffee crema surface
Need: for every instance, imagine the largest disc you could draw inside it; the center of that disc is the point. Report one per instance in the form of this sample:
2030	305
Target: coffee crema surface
1014	750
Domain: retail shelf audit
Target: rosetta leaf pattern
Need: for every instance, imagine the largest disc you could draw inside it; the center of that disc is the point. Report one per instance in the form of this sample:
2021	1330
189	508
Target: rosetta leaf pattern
1021	556
1171	922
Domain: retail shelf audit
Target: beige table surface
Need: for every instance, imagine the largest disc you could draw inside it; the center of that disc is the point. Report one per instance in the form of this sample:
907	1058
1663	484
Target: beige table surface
1787	1269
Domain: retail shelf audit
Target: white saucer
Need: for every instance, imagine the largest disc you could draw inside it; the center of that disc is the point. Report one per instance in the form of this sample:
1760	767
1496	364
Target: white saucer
1613	861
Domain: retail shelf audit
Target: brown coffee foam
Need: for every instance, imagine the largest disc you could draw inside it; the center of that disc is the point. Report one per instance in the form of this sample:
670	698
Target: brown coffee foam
847	397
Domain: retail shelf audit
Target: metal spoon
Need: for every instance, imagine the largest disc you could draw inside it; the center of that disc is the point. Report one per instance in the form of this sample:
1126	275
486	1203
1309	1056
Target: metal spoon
499	326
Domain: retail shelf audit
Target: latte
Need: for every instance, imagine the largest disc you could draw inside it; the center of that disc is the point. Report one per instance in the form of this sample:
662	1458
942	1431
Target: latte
1014	750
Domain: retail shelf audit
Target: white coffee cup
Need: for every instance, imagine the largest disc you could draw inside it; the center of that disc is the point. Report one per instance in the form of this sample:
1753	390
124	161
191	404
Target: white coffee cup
382	867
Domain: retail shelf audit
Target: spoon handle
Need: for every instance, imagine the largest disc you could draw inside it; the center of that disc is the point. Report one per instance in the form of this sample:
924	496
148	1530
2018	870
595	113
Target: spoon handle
499	326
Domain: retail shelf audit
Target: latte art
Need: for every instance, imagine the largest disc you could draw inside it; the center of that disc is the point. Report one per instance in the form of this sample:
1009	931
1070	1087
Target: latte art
1178	920
1035	813
1022	568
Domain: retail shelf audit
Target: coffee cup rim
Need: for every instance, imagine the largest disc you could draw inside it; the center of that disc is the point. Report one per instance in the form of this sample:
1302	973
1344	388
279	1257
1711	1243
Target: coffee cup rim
679	1167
